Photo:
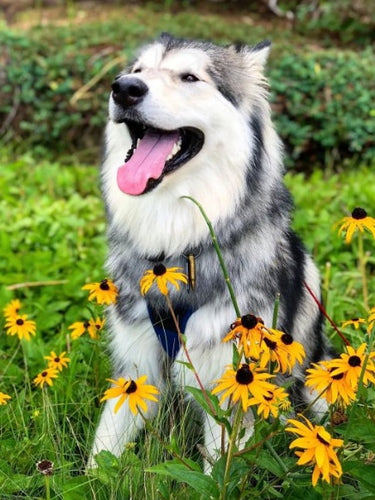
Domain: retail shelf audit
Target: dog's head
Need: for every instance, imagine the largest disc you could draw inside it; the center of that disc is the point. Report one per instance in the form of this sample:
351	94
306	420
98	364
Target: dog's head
180	98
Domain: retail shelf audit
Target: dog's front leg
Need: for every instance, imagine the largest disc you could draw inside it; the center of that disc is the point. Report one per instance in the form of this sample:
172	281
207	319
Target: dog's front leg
136	352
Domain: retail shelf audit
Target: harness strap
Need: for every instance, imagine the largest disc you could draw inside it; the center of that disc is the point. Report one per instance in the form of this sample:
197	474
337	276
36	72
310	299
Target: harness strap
165	328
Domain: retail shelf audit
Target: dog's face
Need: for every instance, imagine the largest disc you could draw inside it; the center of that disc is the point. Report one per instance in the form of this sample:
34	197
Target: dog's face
179	103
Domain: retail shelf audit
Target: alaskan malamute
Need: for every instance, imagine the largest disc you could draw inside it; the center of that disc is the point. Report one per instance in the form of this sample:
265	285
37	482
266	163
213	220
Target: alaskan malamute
190	118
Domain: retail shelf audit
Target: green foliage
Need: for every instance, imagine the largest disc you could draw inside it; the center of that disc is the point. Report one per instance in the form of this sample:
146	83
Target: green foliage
52	228
325	112
323	100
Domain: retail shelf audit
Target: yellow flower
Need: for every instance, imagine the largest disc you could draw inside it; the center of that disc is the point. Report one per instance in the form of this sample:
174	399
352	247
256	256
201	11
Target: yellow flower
272	401
78	329
282	349
356	322
318	449
162	275
104	292
91	327
12	309
20	326
371	320
240	384
248	330
350	365
57	361
45	377
95	327
360	221
135	391
336	388
4	398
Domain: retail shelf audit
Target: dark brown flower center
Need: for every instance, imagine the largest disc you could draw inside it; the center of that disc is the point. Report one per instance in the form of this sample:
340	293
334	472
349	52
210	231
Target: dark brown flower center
86	324
269	396
57	360
131	388
45	467
104	285
270	343
159	269
354	361
98	327
322	440
44	374
359	213
244	375
339	376
286	339
249	321
20	322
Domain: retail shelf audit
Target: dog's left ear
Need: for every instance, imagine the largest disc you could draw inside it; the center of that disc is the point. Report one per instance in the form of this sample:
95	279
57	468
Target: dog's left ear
257	54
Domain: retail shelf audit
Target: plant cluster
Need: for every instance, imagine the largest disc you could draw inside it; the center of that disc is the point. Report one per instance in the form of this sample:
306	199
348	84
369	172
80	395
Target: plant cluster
53	99
334	456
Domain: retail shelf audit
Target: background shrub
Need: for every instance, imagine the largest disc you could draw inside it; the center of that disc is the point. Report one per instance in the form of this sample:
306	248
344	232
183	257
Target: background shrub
323	100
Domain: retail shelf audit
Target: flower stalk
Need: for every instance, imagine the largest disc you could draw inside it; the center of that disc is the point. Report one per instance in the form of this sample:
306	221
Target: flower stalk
219	254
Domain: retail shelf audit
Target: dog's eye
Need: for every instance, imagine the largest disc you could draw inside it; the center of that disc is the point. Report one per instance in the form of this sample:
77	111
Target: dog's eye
188	77
137	70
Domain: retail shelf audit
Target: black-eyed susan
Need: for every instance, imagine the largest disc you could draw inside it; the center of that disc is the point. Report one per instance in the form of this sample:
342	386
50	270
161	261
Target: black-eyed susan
12	309
162	276
356	322
4	398
92	327
46	377
95	326
135	391
78	329
240	384
20	326
318	449
57	361
248	331
359	221
282	350
333	388
104	292
271	402
350	365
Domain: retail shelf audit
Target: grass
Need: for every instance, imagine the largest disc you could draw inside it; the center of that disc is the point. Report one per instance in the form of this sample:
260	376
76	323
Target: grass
52	229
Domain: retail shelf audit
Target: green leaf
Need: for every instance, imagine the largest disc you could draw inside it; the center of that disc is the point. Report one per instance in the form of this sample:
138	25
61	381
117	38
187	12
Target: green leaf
201	483
364	473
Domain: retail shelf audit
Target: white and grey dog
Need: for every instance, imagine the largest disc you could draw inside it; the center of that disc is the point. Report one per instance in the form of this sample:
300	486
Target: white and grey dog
192	119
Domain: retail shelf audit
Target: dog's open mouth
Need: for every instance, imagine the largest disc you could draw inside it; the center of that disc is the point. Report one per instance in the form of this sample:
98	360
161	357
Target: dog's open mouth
155	153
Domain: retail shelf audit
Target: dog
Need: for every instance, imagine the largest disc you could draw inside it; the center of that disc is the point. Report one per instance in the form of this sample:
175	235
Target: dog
192	118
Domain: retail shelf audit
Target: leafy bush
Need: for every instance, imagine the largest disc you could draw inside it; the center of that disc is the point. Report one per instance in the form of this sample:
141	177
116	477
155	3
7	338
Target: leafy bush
323	100
325	103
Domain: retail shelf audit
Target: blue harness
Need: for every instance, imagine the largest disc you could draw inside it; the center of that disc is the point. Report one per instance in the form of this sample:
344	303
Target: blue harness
165	328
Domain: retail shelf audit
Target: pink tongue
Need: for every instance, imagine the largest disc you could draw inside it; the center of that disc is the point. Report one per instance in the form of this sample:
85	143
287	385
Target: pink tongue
147	162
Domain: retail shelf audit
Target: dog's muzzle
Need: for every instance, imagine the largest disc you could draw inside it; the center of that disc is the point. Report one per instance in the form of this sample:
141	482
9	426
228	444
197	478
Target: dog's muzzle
154	152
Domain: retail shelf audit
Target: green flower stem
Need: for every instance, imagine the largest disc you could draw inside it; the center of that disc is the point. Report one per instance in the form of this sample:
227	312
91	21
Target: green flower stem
362	269
48	486
360	388
275	455
276	310
219	254
232	441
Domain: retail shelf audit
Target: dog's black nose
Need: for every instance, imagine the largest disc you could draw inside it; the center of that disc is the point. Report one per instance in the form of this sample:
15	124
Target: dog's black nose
127	91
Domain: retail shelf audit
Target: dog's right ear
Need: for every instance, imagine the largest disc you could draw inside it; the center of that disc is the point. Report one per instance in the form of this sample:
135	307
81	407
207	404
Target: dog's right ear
256	54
